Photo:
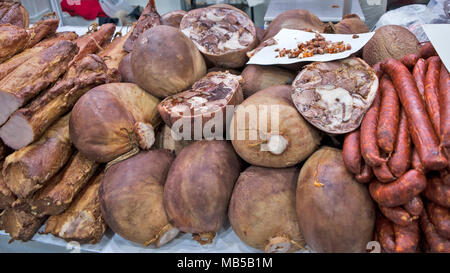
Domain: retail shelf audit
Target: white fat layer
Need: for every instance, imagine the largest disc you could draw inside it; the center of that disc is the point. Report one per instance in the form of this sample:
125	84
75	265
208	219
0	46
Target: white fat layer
337	101
146	135
277	144
179	108
196	101
230	80
16	133
211	16
81	219
232	43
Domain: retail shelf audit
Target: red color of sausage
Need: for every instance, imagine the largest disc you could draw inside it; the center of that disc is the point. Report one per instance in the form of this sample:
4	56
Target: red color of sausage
388	117
400	191
383	174
400	160
410	60
378	71
444	99
420	127
437	192
366	174
432	92
414	206
407	237
369	148
385	233
445	176
427	50
351	152
419	71
435	242
415	161
440	218
398	215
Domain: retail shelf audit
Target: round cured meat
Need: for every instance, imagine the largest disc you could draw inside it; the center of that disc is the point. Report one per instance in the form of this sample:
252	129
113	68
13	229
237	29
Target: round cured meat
222	33
334	96
207	99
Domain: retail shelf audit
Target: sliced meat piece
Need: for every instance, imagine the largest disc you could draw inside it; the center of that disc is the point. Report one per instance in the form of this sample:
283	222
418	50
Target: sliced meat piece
334	96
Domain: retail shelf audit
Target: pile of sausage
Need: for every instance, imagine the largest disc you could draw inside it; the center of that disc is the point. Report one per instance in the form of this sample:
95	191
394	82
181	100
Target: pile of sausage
402	149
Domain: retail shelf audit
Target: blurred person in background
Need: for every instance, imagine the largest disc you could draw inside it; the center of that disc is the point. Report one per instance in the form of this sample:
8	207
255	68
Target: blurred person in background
92	9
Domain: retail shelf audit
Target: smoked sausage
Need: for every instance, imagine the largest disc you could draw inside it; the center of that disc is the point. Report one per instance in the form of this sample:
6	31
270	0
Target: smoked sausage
437	192
444	100
388	117
400	160
410	60
366	174
414	206
351	152
369	148
435	242
420	127
427	50
398	215
400	191
440	218
407	237
383	174
385	234
432	92
419	72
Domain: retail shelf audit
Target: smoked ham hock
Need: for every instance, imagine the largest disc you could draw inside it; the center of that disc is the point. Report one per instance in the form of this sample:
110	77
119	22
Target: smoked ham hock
29	123
113	119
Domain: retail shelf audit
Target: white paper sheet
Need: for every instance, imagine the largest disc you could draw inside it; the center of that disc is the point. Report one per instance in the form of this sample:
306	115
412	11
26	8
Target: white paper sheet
290	38
439	35
226	241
